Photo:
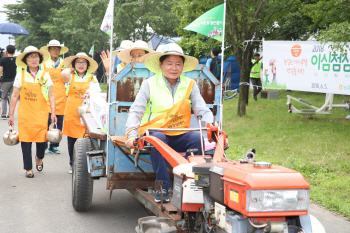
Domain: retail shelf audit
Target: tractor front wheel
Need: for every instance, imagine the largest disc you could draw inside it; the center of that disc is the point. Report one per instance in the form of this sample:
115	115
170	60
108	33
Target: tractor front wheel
82	183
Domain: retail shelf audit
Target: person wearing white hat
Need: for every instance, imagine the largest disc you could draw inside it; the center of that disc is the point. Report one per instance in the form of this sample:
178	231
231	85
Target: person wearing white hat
35	87
132	54
54	66
167	92
126	44
79	74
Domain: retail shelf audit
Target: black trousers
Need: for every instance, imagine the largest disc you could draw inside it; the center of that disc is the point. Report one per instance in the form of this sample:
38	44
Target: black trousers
71	142
257	86
27	153
59	126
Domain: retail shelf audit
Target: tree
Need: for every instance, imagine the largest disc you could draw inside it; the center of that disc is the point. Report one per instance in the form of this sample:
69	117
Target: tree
136	19
77	25
333	18
31	14
246	21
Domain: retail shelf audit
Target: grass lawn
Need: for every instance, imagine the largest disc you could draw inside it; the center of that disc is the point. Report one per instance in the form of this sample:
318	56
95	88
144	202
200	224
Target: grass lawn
103	87
316	146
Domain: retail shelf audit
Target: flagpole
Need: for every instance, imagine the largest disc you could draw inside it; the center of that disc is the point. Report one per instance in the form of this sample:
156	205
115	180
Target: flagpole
222	67
109	81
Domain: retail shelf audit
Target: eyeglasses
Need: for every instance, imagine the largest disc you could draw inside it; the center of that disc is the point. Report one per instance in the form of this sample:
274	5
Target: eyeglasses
55	48
81	63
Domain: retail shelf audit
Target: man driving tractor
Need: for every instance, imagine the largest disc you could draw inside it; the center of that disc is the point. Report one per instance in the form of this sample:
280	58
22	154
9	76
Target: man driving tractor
165	101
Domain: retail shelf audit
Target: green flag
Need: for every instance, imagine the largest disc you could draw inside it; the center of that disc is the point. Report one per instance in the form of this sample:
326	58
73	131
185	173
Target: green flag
210	23
92	51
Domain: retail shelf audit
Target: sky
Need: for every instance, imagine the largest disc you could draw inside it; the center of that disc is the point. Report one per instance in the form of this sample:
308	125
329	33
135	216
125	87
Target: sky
4	39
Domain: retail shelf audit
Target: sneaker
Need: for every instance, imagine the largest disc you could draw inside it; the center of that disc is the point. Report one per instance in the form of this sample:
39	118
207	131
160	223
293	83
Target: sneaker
54	150
70	170
4	117
165	196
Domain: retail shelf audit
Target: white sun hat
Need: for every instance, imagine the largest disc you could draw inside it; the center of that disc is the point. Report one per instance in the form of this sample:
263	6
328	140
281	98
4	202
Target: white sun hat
158	50
126	44
56	43
31	49
152	62
93	64
125	56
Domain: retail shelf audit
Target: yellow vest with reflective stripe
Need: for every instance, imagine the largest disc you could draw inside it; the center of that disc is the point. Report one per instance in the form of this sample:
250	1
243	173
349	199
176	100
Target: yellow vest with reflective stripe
120	67
161	99
257	68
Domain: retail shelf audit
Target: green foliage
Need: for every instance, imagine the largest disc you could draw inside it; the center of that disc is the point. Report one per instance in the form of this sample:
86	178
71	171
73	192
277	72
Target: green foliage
77	24
339	34
333	17
31	14
316	146
134	17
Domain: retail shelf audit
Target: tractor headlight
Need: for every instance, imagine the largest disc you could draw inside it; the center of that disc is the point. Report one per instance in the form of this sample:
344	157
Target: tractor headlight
277	200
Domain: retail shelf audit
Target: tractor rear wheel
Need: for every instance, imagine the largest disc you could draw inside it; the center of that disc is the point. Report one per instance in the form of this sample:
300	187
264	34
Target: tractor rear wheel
82	183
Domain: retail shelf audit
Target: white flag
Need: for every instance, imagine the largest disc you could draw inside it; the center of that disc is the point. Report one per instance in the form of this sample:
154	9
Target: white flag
107	22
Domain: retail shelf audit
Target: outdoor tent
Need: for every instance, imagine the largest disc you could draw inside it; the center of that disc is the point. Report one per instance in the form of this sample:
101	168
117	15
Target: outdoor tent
234	73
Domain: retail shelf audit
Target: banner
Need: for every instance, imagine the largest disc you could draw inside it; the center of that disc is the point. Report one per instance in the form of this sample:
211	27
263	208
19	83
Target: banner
305	66
210	23
107	22
92	51
98	108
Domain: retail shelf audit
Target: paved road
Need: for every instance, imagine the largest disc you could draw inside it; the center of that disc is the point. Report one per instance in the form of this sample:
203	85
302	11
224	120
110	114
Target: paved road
43	204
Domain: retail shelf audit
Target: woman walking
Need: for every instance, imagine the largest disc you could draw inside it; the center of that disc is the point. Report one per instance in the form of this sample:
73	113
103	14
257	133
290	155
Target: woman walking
35	87
79	75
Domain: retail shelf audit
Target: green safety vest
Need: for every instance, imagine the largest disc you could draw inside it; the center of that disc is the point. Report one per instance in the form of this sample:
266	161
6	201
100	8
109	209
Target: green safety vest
120	67
29	78
257	68
48	64
161	99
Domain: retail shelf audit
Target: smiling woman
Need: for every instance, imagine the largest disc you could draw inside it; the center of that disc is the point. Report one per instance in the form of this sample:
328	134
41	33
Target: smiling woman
81	82
35	87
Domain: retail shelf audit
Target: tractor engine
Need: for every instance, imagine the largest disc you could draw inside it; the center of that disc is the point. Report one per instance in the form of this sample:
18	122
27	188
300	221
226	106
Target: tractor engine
243	196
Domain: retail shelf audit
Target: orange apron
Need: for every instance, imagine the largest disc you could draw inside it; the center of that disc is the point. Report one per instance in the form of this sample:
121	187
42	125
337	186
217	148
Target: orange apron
72	125
32	112
179	116
58	88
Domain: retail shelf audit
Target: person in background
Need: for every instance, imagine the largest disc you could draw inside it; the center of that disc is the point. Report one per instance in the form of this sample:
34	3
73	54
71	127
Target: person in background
54	66
213	63
35	87
133	54
8	68
126	44
79	74
255	75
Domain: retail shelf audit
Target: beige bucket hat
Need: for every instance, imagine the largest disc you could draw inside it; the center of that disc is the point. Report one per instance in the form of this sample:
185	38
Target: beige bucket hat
124	55
93	64
55	43
31	49
126	44
144	57
152	62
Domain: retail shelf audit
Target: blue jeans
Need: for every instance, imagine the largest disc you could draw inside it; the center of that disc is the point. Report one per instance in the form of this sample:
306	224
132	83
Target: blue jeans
180	143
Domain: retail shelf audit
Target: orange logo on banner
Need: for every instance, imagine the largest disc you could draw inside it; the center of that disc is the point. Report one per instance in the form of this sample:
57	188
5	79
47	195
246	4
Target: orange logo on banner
340	87
296	50
179	116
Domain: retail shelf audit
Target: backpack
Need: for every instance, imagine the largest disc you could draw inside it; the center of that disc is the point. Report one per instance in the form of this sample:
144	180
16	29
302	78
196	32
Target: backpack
215	67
